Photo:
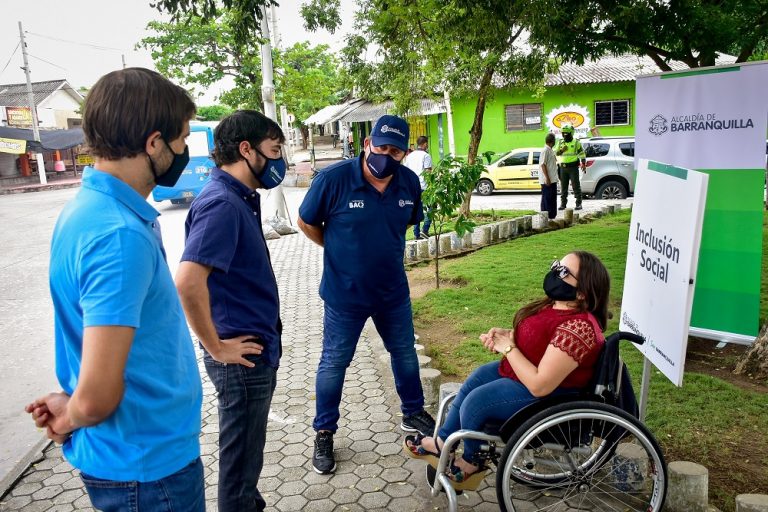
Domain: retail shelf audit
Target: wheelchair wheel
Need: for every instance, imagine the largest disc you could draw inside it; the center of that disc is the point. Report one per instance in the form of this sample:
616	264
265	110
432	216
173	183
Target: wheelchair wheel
581	456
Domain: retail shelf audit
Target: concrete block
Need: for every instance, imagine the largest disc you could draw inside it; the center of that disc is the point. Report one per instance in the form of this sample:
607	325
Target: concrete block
290	180
302	180
606	210
455	241
540	221
432	246
495	232
447	388
611	209
616	208
422	249
411	252
445	244
430	383
424	361
752	503
514	229
503	230
527	223
419	348
629	467
485	235
466	241
568	216
688	487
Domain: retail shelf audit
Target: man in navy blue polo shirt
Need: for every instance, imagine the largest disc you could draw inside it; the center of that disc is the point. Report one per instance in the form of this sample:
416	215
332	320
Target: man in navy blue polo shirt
359	210
129	412
228	290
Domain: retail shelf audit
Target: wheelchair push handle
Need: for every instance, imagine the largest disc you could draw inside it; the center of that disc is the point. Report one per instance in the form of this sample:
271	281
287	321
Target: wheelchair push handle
624	335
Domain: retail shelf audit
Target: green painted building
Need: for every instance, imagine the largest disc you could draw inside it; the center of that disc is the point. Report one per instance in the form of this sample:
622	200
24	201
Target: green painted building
597	98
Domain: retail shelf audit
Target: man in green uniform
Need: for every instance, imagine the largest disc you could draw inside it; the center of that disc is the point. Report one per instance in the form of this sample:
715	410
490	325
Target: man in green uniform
572	157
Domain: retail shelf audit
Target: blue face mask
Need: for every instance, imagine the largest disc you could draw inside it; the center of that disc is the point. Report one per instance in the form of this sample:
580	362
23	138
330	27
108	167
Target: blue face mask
381	166
273	172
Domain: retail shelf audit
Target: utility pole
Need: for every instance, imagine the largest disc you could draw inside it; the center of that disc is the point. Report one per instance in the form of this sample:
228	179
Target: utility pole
268	98
276	42
123	56
451	139
33	108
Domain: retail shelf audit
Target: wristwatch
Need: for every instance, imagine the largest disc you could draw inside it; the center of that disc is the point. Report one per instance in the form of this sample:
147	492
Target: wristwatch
509	348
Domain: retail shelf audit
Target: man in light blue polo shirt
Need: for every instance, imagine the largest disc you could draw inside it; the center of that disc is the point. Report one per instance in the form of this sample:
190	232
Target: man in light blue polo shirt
359	210
129	412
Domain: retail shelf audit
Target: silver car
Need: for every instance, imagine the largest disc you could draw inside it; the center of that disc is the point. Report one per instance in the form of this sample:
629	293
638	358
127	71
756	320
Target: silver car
610	167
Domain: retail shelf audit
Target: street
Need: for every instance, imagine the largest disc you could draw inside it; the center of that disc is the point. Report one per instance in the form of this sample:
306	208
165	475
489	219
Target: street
26	316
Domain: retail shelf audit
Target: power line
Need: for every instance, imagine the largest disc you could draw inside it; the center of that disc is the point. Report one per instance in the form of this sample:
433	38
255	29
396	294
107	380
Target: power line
90	45
47	62
11	57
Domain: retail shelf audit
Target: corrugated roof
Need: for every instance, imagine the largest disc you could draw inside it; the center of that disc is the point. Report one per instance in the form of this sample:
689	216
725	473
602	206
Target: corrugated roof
615	68
15	95
372	111
332	112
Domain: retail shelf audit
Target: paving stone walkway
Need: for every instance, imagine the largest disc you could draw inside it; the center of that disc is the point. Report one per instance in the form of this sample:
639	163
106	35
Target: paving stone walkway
372	475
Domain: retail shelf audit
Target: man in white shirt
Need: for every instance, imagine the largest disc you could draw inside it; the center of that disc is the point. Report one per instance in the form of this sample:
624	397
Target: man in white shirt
548	177
419	161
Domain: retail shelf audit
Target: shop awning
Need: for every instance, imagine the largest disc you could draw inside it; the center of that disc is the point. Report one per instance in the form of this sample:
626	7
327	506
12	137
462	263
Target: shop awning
332	113
372	111
50	140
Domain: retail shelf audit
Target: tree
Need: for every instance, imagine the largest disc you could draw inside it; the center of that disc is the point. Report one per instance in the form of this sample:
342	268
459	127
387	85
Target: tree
447	184
426	47
247	14
213	112
200	52
308	79
692	32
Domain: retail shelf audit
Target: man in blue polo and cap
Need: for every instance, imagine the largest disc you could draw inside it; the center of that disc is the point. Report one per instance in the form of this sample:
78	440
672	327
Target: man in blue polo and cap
359	211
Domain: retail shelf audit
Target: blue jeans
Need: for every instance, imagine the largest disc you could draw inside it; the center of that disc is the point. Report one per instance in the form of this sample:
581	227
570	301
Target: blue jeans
485	395
182	490
244	397
424	225
341	331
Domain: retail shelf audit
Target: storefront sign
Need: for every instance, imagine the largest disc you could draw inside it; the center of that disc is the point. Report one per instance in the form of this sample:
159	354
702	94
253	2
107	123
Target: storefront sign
575	115
19	117
13	146
662	258
84	159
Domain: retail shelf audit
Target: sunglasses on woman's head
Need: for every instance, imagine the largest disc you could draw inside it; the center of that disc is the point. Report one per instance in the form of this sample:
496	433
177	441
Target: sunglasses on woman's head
562	270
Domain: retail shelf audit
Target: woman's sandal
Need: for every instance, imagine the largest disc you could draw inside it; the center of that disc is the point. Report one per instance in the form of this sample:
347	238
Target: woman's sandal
462	481
417	451
459	481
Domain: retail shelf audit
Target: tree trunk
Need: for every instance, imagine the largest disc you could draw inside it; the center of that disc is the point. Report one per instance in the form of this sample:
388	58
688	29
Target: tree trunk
755	362
304	136
476	132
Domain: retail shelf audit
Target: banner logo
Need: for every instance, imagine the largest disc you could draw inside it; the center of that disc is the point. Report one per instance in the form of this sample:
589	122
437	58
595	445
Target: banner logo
658	125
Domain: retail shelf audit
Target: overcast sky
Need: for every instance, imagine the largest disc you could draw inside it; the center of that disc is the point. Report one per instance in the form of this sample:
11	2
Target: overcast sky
81	40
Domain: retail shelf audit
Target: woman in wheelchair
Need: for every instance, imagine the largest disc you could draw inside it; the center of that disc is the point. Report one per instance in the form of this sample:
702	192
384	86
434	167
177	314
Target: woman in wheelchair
551	349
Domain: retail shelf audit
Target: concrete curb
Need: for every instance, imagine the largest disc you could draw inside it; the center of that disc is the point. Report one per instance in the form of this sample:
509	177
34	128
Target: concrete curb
38	188
35	454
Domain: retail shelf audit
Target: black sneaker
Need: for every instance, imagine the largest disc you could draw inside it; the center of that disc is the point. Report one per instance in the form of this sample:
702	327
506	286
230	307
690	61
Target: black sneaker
562	207
322	459
424	236
578	207
420	422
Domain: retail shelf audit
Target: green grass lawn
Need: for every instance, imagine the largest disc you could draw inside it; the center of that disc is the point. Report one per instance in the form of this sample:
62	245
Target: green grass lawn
480	217
708	420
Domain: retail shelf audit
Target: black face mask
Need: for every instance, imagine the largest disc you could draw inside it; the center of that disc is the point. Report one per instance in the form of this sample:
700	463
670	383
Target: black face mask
172	174
567	137
556	288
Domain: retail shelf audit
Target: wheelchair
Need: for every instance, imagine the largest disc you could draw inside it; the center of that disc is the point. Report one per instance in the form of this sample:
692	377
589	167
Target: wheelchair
579	451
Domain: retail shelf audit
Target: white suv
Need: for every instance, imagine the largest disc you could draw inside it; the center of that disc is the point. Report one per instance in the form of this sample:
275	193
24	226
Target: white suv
610	167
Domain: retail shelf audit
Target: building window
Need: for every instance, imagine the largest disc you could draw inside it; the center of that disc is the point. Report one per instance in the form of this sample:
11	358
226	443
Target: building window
611	113
523	117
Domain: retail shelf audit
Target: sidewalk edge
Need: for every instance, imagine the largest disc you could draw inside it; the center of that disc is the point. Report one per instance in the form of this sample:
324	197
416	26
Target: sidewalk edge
35	454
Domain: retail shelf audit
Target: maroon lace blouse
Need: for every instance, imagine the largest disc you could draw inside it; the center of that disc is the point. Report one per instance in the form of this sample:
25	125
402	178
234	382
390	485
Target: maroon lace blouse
575	333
